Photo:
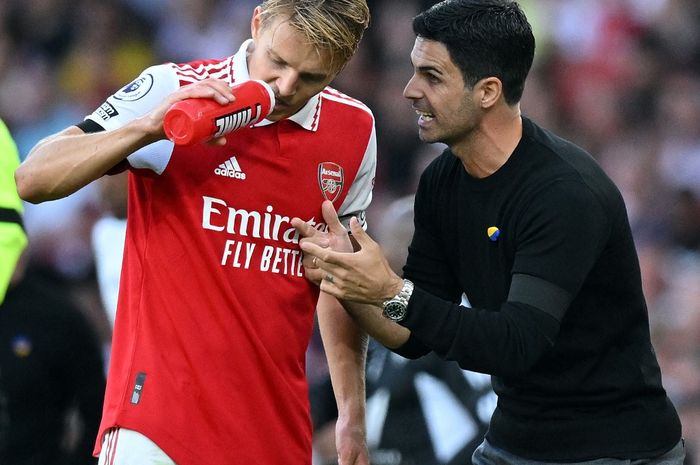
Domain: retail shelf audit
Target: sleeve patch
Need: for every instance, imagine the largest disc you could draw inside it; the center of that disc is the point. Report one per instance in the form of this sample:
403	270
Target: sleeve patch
136	89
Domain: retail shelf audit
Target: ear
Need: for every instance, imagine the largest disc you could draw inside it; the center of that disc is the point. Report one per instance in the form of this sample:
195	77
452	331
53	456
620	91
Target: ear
256	22
489	91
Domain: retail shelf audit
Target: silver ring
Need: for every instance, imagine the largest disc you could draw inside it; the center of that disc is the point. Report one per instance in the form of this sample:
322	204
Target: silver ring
329	278
313	262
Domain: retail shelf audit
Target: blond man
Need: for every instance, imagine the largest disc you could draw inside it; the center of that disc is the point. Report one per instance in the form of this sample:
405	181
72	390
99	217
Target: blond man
214	313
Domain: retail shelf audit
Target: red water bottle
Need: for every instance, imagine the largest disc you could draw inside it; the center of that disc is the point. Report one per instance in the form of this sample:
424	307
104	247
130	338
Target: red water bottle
196	120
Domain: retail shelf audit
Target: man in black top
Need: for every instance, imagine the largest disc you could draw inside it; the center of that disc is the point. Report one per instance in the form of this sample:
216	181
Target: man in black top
533	231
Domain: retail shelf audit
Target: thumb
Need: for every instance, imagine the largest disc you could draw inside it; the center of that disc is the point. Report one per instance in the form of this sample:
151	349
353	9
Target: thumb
359	234
330	216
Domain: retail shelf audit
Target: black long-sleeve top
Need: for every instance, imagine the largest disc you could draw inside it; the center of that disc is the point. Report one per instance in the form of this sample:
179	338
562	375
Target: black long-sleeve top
559	317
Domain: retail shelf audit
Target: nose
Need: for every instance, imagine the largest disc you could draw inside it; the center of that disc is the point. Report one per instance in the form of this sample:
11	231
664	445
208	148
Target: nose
411	90
286	83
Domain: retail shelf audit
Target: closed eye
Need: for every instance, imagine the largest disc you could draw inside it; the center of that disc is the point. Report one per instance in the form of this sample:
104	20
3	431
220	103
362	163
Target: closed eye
313	78
278	63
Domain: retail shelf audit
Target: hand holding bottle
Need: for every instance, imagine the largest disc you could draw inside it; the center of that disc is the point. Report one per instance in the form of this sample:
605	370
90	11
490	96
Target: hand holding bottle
195	120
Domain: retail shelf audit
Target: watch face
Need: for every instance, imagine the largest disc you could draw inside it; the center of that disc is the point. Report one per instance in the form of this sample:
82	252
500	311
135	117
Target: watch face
395	311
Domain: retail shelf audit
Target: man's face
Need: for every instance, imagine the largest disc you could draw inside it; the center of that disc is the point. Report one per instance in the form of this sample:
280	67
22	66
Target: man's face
446	108
282	57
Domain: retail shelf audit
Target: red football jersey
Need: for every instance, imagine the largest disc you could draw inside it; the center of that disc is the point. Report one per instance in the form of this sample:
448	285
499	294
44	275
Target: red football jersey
214	313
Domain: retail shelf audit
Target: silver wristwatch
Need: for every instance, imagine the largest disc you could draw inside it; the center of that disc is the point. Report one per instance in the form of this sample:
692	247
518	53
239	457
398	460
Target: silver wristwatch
395	308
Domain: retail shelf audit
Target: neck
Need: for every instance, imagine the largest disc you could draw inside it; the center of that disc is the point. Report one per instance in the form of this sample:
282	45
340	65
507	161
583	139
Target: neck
491	144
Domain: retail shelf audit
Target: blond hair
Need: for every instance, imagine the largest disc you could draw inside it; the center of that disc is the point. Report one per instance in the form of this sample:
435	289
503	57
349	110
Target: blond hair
331	26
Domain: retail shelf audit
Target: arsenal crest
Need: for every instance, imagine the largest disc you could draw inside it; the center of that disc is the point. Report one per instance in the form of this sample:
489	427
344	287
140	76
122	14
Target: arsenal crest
330	180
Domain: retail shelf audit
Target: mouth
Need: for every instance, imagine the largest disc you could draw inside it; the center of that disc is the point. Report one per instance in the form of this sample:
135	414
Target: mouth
279	102
279	108
424	115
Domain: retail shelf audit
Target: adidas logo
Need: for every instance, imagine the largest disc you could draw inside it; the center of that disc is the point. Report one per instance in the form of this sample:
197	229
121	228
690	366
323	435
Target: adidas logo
230	169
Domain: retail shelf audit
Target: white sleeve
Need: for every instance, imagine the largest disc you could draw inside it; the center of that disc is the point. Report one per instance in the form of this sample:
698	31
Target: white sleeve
360	194
134	100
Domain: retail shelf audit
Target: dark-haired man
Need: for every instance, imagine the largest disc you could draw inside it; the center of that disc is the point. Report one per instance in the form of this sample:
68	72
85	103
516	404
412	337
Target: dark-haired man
537	236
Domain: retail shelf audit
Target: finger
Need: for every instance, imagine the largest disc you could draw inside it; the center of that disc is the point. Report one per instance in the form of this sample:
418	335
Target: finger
224	97
328	259
220	86
218	141
313	263
315	275
330	288
359	234
308	261
319	239
330	216
304	229
215	90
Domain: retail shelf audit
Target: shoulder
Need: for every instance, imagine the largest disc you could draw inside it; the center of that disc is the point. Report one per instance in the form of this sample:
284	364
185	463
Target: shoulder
141	94
559	152
152	78
338	101
137	97
199	70
568	161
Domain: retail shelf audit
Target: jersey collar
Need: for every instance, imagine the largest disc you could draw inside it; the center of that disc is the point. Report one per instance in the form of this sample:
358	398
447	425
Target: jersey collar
307	117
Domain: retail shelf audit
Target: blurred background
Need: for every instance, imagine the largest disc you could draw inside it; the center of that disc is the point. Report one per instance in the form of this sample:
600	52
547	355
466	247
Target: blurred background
621	78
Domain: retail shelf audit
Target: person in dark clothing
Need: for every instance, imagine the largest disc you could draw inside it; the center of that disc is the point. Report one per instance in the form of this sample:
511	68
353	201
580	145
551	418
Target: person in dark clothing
534	232
51	367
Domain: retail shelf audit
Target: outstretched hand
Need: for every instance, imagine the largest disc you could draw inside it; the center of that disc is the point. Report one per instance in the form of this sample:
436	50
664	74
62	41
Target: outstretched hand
363	276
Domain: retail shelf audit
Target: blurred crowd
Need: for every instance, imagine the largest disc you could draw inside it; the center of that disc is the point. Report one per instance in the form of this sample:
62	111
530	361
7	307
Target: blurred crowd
621	78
